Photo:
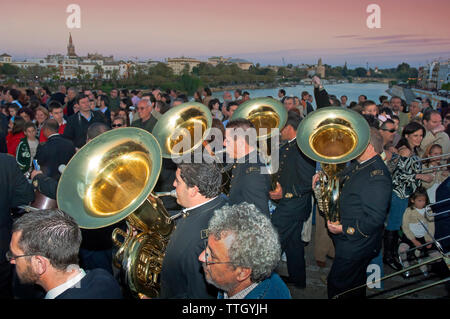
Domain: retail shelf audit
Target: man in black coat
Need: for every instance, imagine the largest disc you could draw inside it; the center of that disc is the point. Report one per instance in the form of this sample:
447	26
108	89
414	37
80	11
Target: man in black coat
293	193
198	190
78	123
364	203
15	190
44	248
55	152
249	180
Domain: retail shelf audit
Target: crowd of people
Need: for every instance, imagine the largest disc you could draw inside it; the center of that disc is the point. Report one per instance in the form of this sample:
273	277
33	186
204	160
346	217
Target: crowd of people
229	243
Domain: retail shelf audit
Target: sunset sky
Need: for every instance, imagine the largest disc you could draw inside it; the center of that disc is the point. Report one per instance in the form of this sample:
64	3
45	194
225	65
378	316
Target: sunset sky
261	31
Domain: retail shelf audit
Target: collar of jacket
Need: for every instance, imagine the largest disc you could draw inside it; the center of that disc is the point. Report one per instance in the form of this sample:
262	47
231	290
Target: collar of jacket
211	205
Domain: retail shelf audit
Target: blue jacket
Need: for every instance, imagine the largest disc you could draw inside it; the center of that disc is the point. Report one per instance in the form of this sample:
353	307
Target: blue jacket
270	288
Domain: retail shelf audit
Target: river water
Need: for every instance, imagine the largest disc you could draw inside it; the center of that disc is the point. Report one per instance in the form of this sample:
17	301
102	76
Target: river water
372	90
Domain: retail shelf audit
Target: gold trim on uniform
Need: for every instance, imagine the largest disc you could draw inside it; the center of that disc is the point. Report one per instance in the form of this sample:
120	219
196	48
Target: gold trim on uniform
288	195
376	172
350	230
204	233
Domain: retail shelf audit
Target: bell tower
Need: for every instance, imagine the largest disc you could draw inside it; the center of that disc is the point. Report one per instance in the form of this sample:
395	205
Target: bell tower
71	47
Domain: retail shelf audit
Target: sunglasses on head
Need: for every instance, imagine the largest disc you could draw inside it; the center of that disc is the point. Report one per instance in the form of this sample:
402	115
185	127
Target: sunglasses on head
116	125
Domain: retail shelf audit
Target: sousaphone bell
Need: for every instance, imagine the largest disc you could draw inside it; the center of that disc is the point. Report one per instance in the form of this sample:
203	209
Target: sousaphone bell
110	179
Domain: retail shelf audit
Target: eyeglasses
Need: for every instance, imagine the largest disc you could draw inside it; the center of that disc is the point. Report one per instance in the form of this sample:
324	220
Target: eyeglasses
392	130
116	125
207	263
10	256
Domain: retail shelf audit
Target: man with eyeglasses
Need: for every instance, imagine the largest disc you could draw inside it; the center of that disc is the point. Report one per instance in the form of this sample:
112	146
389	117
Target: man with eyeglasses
14	191
44	248
198	187
242	253
146	121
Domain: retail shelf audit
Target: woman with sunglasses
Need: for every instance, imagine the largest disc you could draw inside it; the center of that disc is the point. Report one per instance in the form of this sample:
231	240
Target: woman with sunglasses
405	179
118	122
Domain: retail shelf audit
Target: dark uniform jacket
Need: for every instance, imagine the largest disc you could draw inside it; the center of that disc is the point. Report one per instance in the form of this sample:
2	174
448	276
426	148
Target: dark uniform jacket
249	184
96	284
182	273
77	126
363	203
147	125
294	175
53	153
15	190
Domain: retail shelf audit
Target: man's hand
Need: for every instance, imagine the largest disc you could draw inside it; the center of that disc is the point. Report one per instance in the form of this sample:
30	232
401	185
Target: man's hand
277	193
316	81
315	179
34	173
334	228
416	242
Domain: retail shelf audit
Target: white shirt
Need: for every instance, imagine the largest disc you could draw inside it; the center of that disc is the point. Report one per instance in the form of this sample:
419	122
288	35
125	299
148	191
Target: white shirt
55	292
417	228
194	207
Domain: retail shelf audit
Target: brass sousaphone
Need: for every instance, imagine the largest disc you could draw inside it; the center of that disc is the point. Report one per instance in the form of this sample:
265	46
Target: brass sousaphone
332	136
110	179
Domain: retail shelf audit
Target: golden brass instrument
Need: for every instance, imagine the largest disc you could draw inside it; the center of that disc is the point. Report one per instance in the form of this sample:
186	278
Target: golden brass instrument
182	129
268	116
110	179
332	136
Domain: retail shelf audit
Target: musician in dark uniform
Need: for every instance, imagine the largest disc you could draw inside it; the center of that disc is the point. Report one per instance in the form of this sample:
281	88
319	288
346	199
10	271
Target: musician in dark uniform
293	193
198	188
248	181
364	204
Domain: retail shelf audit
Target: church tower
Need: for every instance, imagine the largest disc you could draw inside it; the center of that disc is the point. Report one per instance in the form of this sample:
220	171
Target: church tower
71	47
320	69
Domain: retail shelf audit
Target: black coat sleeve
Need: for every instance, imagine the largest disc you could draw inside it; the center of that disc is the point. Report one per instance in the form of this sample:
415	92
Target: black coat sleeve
322	98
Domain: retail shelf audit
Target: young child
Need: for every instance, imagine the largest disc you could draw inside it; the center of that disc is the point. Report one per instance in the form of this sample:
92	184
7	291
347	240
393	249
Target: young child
414	234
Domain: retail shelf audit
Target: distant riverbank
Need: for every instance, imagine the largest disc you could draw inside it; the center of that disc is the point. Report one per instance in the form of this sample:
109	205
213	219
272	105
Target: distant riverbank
352	90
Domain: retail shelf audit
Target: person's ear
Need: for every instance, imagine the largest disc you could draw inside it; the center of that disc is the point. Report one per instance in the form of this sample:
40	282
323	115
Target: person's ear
243	273
39	264
193	191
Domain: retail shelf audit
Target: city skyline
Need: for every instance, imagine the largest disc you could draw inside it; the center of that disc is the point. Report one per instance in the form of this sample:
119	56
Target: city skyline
412	31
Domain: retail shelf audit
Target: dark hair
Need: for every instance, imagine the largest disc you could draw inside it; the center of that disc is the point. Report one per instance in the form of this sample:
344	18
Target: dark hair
105	99
26	110
293	119
240	91
230	104
208	91
304	93
246	93
383	124
28	125
368	103
14	93
18	126
420	191
382	98
386	110
410	128
54	105
51	125
282	91
52	234
80	97
427	115
372	120
207	177
212	102
95	129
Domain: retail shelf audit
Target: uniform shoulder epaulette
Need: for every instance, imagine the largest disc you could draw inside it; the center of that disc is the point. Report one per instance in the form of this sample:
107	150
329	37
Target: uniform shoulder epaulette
252	169
376	172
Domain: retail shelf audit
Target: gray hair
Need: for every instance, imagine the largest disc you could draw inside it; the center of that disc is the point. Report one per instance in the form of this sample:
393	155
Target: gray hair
52	234
256	244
